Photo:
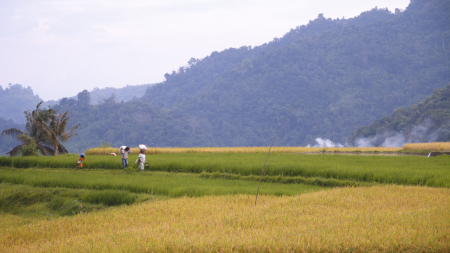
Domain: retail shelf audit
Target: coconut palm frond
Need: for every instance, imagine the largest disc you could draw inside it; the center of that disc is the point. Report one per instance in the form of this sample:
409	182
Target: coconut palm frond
15	151
13	132
69	134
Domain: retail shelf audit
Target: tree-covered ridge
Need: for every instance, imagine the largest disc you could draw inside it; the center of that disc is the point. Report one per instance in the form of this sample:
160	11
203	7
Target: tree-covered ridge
14	100
344	76
7	143
347	74
200	73
133	123
98	95
427	121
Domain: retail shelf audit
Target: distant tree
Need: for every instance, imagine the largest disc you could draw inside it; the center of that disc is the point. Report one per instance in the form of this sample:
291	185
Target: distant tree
192	61
84	98
71	102
64	102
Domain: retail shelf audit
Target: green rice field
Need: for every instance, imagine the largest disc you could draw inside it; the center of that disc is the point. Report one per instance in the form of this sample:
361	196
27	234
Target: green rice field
354	169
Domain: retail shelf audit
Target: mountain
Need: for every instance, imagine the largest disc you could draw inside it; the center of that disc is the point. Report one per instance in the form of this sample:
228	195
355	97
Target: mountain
333	75
7	143
427	121
125	94
14	100
338	74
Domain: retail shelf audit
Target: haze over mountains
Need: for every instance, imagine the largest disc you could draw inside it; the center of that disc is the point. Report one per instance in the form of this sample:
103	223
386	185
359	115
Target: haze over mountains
336	74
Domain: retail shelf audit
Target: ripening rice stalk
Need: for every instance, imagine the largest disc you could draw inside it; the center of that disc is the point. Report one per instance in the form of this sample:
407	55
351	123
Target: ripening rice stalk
432	146
156	150
374	219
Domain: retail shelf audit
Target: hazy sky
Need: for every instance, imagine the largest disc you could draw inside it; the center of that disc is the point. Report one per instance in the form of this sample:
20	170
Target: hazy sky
60	48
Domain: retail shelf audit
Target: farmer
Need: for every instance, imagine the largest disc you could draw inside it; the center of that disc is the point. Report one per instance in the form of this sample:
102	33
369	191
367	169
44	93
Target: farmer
141	159
125	151
80	161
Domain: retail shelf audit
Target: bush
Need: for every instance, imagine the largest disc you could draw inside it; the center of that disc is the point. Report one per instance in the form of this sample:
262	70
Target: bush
29	148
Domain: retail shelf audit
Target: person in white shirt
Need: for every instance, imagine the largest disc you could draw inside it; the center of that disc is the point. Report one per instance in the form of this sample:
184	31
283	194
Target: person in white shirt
142	159
125	151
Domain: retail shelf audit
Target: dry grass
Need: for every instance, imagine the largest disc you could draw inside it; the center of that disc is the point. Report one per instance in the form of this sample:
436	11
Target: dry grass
107	151
382	218
433	146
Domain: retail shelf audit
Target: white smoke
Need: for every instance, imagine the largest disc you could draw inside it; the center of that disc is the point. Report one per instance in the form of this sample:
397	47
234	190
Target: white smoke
419	133
326	143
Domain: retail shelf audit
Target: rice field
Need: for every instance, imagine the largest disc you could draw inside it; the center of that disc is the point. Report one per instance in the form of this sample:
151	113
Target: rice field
367	219
154	183
433	146
156	150
194	200
407	170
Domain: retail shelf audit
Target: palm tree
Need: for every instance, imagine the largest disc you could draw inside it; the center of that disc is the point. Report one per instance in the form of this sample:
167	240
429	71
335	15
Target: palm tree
33	130
55	131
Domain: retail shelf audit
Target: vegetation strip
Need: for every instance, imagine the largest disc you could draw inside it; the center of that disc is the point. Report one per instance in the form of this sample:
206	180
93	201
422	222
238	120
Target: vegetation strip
41	202
167	184
109	150
366	219
288	180
407	170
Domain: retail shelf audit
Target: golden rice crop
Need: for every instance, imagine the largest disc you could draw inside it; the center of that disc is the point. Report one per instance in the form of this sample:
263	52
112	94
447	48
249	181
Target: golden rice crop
432	146
156	150
381	218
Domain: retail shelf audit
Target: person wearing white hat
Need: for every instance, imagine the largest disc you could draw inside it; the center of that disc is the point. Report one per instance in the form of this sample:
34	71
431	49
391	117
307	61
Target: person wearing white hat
141	159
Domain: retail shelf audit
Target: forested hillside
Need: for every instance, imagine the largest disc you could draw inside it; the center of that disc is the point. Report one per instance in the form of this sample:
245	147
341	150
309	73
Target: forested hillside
14	100
336	74
427	121
7	142
98	95
339	74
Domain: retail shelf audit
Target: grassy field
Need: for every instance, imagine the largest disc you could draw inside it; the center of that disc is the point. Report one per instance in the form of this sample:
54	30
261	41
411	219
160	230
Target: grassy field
245	150
367	219
407	170
155	183
421	147
203	202
40	202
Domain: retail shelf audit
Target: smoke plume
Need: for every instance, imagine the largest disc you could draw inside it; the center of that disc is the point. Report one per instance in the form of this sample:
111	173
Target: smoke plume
425	132
326	143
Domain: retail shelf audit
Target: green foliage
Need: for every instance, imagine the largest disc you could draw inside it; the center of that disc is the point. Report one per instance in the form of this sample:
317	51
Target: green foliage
339	74
44	202
433	114
105	144
30	147
110	197
7	142
47	128
407	170
318	181
155	183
